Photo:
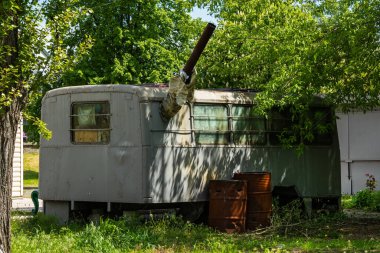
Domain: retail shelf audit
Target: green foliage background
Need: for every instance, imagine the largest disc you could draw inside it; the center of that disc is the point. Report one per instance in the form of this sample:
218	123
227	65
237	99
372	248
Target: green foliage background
289	50
293	50
115	42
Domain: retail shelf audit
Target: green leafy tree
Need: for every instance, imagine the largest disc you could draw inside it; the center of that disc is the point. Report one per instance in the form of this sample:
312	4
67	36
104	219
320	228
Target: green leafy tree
46	45
30	55
293	50
134	42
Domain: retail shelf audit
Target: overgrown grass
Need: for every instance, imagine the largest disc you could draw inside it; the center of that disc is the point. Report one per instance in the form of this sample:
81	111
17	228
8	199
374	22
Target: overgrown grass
366	200
31	169
42	234
290	232
347	202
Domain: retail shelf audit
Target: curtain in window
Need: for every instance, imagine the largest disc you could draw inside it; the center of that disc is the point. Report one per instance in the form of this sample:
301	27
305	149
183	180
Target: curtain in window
86	115
211	122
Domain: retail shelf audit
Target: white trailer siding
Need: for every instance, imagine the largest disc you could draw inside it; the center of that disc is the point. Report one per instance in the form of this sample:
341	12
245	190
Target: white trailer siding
359	140
18	164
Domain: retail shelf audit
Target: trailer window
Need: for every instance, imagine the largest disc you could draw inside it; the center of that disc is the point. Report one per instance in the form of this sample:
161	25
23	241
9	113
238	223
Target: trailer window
322	126
248	128
211	124
90	123
280	127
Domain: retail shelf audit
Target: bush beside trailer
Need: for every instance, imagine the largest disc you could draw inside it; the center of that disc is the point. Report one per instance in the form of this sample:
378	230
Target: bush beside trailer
111	150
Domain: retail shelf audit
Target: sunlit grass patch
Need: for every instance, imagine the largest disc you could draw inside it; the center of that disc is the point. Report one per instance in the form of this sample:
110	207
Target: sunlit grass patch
43	234
31	169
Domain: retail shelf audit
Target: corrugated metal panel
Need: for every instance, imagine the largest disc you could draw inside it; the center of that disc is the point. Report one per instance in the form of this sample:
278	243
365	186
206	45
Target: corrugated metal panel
17	161
17	156
17	184
16	170
16	193
16	188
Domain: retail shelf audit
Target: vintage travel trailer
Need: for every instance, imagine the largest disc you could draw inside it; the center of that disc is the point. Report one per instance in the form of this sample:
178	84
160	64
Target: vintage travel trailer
112	150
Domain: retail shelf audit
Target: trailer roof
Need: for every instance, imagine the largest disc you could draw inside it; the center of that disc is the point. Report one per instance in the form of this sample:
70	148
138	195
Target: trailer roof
157	93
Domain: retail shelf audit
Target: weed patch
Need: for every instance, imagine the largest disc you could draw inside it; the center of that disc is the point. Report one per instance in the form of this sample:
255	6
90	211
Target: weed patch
128	234
366	200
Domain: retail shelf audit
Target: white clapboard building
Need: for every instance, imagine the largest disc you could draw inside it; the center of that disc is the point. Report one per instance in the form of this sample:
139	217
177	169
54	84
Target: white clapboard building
18	164
359	140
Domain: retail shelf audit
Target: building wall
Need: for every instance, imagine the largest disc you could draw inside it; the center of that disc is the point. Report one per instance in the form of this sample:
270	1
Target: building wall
18	164
359	140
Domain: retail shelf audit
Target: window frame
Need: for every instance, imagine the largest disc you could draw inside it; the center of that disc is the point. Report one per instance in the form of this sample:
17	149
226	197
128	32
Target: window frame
107	129
230	133
283	118
255	132
328	137
195	131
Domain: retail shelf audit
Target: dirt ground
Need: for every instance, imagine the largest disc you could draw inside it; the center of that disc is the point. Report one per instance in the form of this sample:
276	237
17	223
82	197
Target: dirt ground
360	225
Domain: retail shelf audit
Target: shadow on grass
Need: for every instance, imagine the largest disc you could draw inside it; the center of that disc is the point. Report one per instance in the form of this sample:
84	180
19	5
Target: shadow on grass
30	175
30	178
123	234
176	235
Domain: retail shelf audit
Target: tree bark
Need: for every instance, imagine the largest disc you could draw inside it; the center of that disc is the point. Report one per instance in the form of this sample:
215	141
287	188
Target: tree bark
9	119
8	129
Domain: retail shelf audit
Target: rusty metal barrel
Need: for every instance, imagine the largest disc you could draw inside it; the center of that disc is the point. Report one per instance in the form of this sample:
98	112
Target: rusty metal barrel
227	206
259	198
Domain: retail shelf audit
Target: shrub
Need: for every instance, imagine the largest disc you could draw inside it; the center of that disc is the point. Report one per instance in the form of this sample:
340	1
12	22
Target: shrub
347	202
376	201
363	199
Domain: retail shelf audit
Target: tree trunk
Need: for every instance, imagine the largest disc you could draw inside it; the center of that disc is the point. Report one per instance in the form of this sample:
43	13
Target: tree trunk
8	130
16	92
